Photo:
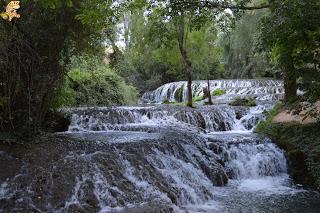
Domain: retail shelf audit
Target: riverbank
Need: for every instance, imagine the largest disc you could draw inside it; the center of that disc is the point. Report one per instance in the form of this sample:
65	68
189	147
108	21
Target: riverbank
302	145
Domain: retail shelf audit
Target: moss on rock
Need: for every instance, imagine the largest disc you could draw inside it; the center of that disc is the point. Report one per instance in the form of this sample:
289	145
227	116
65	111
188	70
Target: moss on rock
238	101
178	95
218	92
302	145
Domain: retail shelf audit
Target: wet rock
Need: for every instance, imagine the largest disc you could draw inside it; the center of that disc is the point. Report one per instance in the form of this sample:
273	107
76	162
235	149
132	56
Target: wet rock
215	173
56	122
216	148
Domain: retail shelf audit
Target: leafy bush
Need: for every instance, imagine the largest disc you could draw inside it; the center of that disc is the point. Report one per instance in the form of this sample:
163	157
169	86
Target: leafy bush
218	92
238	101
263	125
90	82
197	99
302	145
167	102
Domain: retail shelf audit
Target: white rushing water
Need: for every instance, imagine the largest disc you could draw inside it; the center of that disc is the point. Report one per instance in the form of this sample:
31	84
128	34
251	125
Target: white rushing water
166	158
252	165
263	90
218	118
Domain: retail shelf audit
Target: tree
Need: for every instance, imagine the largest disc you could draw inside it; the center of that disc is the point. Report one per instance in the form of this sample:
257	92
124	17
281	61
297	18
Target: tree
181	25
33	53
292	33
243	57
191	15
154	58
184	21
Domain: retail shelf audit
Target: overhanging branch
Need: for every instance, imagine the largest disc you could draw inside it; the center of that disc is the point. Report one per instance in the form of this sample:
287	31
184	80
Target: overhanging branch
216	5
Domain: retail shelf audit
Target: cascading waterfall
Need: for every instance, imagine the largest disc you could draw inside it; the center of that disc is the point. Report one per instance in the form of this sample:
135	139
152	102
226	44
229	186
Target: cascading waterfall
218	118
160	158
262	90
247	161
209	119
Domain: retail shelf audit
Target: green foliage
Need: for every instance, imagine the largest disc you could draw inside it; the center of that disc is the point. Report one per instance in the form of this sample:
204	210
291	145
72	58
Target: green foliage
152	56
204	53
264	125
242	56
197	99
302	144
291	33
34	51
148	60
238	101
179	94
90	82
218	92
167	102
2	101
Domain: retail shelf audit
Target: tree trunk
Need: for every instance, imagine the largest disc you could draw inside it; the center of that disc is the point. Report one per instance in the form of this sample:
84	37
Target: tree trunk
189	84
187	65
209	91
126	23
290	82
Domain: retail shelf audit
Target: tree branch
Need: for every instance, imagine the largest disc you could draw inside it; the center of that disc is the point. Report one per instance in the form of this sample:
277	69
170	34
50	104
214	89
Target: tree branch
216	5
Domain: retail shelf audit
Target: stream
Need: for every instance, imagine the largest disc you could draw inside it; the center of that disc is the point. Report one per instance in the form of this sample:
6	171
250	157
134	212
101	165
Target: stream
158	158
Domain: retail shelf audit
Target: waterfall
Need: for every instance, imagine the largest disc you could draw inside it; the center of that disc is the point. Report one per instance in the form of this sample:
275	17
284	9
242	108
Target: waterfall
207	118
157	158
262	89
253	161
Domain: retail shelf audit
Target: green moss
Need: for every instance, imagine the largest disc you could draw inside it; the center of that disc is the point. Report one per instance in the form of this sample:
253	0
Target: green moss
218	92
180	103
178	94
197	99
190	105
302	145
167	102
238	101
176	103
261	127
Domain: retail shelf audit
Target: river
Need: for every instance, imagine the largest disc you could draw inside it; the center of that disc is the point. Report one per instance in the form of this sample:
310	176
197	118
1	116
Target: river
158	158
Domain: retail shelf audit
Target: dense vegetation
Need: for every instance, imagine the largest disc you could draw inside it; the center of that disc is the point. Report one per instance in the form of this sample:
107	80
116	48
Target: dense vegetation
90	82
300	141
34	53
292	34
302	144
54	54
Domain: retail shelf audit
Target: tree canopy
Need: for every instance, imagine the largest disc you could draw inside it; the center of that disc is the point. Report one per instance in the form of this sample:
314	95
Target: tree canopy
292	33
153	42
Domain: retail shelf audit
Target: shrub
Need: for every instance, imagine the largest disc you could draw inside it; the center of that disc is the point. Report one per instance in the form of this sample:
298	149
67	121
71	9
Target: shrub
264	125
90	82
218	92
238	101
197	99
179	94
302	145
167	102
